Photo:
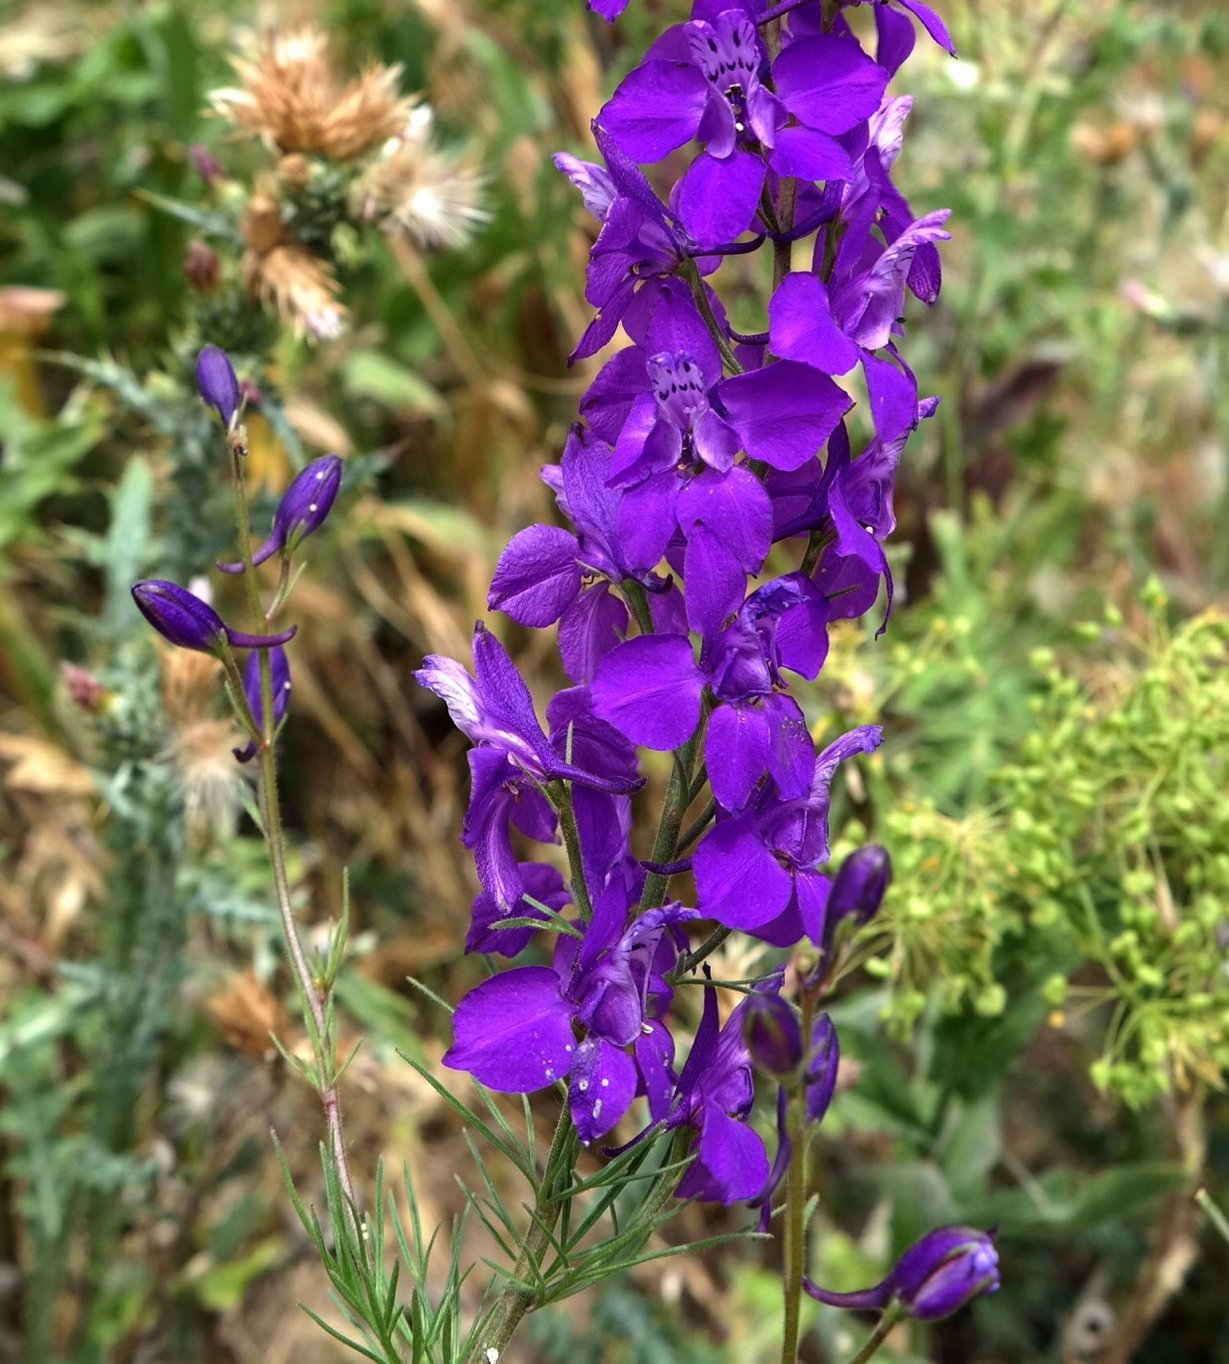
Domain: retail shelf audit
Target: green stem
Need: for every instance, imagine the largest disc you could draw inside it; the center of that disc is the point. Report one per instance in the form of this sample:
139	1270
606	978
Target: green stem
691	272
883	1329
665	845
313	996
515	1301
697	826
794	1248
1213	1213
705	950
571	841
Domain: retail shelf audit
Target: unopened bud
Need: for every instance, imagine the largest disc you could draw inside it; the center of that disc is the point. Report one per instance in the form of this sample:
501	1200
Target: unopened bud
945	1271
860	885
773	1034
217	384
302	510
84	689
190	623
206	165
279	677
201	266
822	1066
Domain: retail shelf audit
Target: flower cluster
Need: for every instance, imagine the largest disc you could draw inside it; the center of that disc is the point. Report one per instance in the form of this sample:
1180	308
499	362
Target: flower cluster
707	461
188	621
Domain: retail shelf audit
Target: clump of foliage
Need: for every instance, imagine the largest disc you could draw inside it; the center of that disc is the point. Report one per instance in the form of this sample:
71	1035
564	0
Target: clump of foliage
1096	876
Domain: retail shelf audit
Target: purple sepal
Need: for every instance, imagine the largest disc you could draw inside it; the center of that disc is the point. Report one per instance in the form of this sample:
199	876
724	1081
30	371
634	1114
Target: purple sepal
601	1087
537	576
649	690
513	1033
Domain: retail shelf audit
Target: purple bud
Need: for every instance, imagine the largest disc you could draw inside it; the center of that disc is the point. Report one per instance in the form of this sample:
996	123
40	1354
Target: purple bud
860	885
945	1271
217	384
206	165
822	1066
935	1277
190	623
772	1033
302	510
279	677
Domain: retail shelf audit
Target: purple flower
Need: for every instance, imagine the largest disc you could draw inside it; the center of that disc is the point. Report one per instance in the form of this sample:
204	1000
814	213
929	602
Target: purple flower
279	668
190	623
513	758
302	510
529	1027
640	240
650	688
217	384
759	870
714	1095
935	1277
706	80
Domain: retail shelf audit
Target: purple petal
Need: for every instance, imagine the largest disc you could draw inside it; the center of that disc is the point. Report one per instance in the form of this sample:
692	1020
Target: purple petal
594	623
655	1057
731	1164
738	880
736	751
735	507
649	689
656	108
537	576
601	1088
791	757
829	82
513	1033
620	381
646	519
716	584
717	199
802	327
784	412
810	155
504	694
896	39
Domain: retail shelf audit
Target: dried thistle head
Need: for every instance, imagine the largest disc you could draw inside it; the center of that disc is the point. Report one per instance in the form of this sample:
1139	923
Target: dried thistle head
432	197
291	97
286	277
247	1015
201	743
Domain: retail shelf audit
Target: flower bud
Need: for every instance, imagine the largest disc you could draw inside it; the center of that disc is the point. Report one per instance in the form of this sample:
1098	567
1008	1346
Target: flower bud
302	510
190	623
945	1271
84	689
860	885
217	384
279	677
206	165
935	1277
201	267
822	1066
773	1035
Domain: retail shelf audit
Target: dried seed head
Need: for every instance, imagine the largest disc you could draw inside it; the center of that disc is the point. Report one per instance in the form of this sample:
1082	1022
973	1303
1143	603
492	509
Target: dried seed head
432	198
299	287
290	96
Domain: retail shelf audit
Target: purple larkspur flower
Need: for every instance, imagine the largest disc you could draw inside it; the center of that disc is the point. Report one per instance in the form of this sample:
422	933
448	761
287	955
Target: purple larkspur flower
641	240
280	686
190	623
650	688
714	1095
758	870
935	1277
575	1020
302	510
513	757
706	80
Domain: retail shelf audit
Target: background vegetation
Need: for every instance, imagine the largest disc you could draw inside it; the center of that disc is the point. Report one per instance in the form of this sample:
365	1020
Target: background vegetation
1040	1036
